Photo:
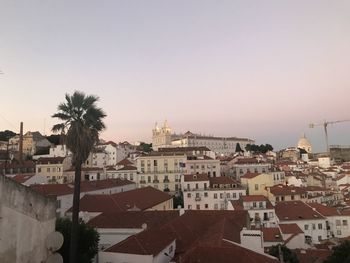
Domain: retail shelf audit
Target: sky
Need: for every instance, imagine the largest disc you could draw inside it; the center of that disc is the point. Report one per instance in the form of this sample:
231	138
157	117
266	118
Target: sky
257	69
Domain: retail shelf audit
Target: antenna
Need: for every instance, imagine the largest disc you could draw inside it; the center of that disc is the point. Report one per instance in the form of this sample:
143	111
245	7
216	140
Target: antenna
54	241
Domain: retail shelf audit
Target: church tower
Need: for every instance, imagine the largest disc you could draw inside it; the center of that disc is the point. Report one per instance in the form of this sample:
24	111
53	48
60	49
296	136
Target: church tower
161	137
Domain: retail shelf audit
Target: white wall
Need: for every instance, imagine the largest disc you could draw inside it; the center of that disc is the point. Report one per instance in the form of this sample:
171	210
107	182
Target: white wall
112	236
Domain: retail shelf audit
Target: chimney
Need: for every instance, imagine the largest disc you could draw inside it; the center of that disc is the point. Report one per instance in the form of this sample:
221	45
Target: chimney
21	143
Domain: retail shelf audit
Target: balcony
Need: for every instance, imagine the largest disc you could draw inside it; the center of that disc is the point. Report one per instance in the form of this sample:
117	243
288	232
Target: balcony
166	181
156	181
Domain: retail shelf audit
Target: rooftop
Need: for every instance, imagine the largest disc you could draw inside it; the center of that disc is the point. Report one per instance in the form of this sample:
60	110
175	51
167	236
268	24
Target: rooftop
295	210
290	229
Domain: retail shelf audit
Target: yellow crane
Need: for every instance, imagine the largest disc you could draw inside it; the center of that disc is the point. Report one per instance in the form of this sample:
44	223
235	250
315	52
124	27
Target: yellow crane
325	125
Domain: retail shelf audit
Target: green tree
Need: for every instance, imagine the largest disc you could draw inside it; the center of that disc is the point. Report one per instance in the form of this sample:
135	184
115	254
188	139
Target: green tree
145	147
88	240
340	253
238	148
82	121
55	139
6	135
288	255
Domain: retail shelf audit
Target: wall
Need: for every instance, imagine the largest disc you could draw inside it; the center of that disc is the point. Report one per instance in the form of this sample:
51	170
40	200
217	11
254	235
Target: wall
26	219
109	257
112	236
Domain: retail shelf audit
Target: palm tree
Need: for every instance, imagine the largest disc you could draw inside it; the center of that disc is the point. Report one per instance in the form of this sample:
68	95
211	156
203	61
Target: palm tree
81	125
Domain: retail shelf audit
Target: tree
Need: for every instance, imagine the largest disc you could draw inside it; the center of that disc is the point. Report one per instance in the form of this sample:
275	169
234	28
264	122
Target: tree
88	244
288	255
238	148
145	147
82	121
340	253
54	138
6	135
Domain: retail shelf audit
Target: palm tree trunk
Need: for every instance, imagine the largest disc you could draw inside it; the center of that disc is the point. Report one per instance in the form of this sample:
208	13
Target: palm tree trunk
75	217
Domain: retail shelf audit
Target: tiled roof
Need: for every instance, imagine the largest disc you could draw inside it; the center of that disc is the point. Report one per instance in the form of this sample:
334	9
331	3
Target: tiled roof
133	219
290	229
325	210
247	161
127	168
228	252
50	160
250	175
138	199
252	198
195	226
125	162
85	186
272	234
278	190
195	177
22	178
295	210
312	255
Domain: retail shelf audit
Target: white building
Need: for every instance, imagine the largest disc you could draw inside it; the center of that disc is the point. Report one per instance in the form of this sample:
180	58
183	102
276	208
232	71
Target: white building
309	220
202	192
163	137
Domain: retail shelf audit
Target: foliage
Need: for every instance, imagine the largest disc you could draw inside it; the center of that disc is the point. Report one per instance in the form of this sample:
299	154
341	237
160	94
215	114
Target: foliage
88	240
42	150
288	255
259	148
340	253
55	139
80	126
238	148
6	135
145	147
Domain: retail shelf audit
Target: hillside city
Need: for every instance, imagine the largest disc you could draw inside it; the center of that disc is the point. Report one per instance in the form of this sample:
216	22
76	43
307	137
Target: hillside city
184	197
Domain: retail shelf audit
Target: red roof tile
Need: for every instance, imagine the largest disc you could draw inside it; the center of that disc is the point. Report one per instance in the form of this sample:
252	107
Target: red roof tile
250	175
22	178
50	160
325	210
85	186
195	177
222	180
125	162
281	190
272	234
128	168
139	199
290	229
295	210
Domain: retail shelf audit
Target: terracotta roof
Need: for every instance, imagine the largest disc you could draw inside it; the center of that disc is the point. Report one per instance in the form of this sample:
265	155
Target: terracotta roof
278	190
272	234
290	229
128	168
247	161
50	160
312	255
22	178
228	252
250	175
252	198
295	210
133	219
85	186
238	204
193	227
125	162
195	177
325	210
138	199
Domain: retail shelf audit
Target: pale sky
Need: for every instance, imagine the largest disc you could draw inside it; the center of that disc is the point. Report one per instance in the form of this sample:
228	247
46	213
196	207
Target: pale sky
257	69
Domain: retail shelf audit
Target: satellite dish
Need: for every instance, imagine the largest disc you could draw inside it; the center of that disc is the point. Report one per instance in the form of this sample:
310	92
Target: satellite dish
54	241
55	258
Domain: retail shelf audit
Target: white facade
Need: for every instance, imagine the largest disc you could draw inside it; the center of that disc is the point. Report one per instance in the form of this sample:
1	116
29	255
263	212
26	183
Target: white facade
200	195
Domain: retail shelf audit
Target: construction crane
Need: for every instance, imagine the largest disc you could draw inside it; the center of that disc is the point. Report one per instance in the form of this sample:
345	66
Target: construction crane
325	124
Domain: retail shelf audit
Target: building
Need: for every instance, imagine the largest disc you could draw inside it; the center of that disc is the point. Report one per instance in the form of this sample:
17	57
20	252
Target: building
261	211
241	166
304	144
257	182
114	227
53	168
33	142
26	219
309	220
64	192
202	192
195	236
163	137
293	236
280	193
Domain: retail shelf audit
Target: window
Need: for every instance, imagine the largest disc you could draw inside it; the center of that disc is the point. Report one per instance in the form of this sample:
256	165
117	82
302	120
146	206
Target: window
221	195
313	226
205	185
197	195
58	203
206	206
277	199
306	227
189	195
337	222
216	206
260	204
338	232
254	204
222	206
256	187
189	207
48	170
196	186
188	186
39	170
198	207
205	194
319	226
292	197
131	177
228	195
215	196
155	163
345	222
233	195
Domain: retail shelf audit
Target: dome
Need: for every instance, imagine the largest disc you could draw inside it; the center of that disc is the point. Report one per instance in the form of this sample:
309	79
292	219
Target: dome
303	143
